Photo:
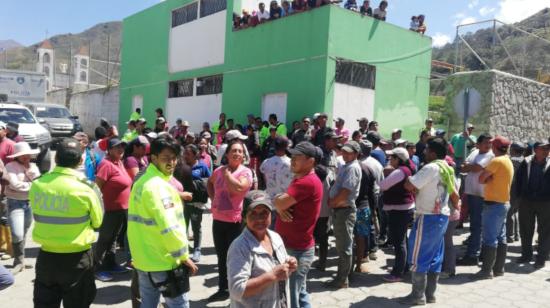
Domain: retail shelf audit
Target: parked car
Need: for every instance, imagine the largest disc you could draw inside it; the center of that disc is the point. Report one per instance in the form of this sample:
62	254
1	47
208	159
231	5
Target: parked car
31	130
58	119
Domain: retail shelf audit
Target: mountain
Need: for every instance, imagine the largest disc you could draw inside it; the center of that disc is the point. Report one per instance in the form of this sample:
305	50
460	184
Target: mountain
9	44
103	40
529	56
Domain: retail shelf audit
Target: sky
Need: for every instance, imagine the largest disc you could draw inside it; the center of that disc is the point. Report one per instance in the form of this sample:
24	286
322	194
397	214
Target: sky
28	26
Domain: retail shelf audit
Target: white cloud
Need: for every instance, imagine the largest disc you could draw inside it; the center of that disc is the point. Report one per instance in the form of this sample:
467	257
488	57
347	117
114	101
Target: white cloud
512	11
473	3
440	39
485	11
461	19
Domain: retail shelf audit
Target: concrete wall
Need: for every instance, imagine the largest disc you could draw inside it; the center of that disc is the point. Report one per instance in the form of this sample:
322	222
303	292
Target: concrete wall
512	106
90	106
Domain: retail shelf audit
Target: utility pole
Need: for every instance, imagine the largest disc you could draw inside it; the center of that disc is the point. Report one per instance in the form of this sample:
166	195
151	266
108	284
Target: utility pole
70	63
108	56
89	62
493	47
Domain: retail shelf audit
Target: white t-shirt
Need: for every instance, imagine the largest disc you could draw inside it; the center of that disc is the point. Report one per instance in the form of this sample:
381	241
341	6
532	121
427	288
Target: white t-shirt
277	174
432	197
264	15
381	14
471	183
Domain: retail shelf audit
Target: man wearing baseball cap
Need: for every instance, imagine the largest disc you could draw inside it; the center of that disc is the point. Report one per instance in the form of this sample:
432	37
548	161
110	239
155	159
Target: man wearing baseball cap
497	178
319	135
343	194
341	130
532	188
298	209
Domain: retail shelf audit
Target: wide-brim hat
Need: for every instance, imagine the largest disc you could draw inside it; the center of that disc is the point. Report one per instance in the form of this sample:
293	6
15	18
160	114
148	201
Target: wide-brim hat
22	148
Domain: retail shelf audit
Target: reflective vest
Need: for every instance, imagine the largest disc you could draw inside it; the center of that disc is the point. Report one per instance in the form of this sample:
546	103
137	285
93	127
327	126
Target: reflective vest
66	209
130	135
156	226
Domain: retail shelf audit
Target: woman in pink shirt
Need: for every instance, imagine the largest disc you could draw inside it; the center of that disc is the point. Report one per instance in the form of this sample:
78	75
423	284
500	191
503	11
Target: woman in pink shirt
227	188
115	185
20	173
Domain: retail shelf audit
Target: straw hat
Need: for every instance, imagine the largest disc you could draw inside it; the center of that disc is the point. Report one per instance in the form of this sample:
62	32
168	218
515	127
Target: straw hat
23	148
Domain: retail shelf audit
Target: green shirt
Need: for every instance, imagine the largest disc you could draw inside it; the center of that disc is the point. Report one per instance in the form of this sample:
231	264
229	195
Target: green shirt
458	142
66	209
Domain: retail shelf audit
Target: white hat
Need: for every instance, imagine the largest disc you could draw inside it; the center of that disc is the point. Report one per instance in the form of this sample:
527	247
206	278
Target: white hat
23	148
2	125
234	134
399	152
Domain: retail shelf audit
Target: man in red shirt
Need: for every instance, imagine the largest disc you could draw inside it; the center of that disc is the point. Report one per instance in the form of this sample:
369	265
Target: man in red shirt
298	210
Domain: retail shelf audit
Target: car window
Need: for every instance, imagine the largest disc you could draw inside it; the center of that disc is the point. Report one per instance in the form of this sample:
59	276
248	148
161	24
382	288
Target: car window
16	115
52	112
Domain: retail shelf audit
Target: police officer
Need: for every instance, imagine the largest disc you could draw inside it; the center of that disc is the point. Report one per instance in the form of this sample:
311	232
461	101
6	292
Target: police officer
156	228
66	209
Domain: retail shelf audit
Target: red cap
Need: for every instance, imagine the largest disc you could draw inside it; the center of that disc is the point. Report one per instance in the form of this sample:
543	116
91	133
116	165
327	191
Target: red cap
501	142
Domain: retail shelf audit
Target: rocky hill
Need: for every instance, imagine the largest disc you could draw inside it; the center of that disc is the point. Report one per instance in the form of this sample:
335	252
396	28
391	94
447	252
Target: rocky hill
529	55
97	39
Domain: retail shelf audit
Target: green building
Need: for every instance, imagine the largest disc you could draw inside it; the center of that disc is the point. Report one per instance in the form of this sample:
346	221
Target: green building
184	56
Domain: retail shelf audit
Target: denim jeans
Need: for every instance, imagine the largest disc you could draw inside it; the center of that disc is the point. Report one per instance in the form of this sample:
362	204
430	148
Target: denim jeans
6	278
150	295
475	206
19	218
343	224
494	223
299	298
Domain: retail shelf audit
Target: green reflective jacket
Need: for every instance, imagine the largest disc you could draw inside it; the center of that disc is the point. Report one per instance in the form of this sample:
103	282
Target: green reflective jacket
156	226
66	209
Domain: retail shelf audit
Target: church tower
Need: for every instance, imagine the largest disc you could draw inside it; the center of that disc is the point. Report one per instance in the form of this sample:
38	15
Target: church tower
81	66
46	62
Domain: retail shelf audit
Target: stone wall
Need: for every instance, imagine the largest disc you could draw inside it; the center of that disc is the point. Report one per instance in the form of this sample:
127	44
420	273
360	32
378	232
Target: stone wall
512	106
89	106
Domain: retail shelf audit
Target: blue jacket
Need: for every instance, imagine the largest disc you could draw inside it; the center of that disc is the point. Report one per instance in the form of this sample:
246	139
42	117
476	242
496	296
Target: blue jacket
90	164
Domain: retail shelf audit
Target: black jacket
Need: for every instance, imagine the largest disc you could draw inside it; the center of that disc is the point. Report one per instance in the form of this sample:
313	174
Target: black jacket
520	187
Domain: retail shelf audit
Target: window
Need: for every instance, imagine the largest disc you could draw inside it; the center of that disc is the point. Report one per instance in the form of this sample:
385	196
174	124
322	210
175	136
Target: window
181	88
83	62
209	7
47	57
356	74
184	14
47	70
16	115
83	76
52	112
209	85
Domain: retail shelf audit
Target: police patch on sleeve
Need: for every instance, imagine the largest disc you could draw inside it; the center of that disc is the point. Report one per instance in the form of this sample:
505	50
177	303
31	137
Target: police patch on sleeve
167	203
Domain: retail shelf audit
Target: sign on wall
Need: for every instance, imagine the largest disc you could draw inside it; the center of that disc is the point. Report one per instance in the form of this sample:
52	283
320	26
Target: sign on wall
21	86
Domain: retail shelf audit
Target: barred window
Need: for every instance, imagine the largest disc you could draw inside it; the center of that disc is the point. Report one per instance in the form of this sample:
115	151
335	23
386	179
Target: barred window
181	88
185	14
209	85
209	7
356	74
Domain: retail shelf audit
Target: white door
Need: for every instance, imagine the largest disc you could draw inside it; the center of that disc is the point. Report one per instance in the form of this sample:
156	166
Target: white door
137	102
274	103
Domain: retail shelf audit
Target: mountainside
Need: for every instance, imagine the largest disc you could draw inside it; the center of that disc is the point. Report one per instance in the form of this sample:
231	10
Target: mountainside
529	55
9	44
96	39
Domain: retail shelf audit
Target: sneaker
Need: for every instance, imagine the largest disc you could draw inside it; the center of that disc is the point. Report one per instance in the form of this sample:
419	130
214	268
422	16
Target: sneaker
129	265
103	276
335	285
219	296
509	240
467	261
196	256
524	259
392	278
117	269
5	257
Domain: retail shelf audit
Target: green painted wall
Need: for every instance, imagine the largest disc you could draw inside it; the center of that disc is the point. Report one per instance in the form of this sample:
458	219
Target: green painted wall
403	62
295	55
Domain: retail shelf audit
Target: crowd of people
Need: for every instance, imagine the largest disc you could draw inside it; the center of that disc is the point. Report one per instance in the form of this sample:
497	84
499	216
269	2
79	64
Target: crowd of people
287	8
276	195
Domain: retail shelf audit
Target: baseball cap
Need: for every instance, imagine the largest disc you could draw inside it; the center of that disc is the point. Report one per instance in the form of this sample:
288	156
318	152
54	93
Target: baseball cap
374	137
323	114
152	135
429	120
161	120
396	130
304	148
518	145
235	134
316	115
14	127
103	122
256	198
351	146
331	134
362	119
399	152
142	120
80	136
339	120
540	144
470	125
2	125
115	142
501	142
69	148
399	141
440	132
140	140
206	135
185	123
306	119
